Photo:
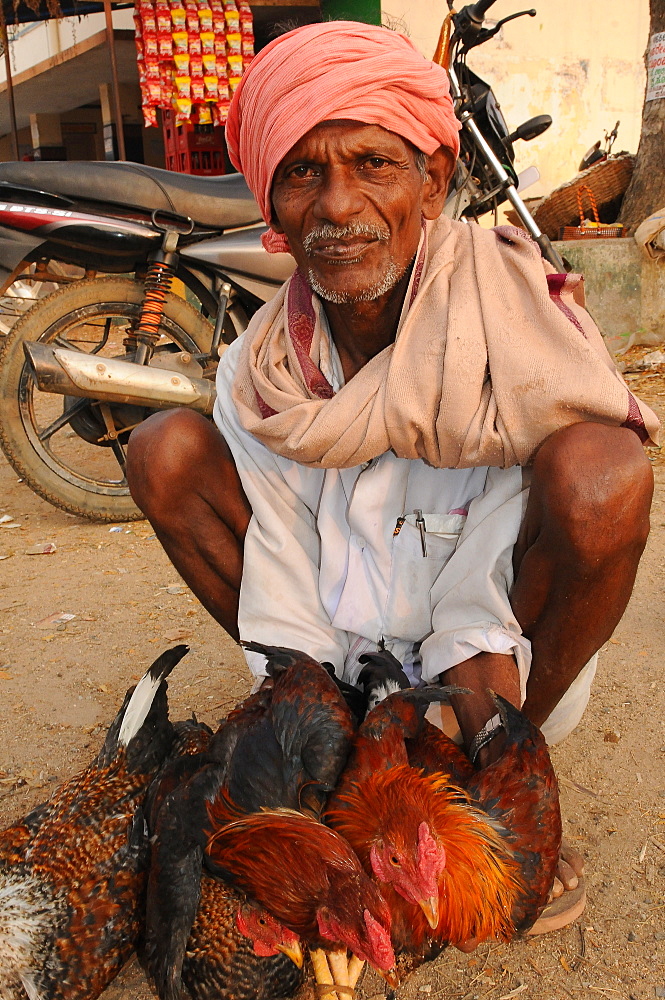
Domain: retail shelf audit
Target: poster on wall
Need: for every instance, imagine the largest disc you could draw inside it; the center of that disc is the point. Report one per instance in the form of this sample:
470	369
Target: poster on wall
656	67
191	55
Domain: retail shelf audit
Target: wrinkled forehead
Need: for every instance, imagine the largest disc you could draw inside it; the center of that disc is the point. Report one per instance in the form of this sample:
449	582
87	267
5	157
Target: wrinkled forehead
346	138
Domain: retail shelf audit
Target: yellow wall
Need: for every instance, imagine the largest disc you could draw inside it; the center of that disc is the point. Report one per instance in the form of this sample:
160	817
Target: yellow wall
580	61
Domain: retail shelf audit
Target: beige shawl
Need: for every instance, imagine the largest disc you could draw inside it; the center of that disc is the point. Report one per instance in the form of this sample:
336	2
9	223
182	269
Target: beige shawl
492	356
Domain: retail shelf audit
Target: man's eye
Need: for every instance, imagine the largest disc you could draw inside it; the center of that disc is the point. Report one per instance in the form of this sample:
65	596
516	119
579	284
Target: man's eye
301	170
376	162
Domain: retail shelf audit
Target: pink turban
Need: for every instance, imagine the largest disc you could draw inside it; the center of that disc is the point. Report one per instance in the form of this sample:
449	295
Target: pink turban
338	69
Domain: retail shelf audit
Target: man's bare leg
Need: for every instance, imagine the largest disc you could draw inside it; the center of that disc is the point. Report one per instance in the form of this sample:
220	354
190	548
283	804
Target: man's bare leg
586	525
183	477
585	528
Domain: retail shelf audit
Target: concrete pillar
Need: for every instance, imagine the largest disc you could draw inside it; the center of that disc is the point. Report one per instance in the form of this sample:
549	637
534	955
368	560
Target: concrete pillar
47	137
108	124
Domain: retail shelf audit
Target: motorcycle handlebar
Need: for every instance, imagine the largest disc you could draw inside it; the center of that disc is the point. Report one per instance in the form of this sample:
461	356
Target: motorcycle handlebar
479	9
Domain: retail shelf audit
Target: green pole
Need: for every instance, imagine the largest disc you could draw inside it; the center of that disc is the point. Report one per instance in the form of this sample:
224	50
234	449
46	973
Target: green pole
368	11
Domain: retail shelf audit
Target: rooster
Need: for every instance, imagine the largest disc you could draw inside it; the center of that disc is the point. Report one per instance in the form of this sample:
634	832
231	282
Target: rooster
72	872
518	793
449	862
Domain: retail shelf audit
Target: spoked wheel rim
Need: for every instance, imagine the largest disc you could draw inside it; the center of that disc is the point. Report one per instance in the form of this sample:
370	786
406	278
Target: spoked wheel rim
97	328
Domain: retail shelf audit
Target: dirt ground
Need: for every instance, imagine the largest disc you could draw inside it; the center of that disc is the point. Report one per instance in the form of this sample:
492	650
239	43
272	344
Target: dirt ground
61	684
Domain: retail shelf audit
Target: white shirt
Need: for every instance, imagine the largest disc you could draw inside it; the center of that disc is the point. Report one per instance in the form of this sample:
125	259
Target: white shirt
334	558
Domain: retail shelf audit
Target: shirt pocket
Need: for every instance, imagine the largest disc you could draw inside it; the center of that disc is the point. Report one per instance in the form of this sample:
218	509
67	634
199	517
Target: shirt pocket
408	612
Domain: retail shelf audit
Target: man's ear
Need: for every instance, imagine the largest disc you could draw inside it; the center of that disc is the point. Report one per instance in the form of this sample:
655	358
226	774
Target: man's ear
440	169
274	222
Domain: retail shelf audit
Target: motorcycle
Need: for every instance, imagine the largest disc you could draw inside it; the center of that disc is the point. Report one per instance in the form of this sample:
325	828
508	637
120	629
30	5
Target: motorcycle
156	273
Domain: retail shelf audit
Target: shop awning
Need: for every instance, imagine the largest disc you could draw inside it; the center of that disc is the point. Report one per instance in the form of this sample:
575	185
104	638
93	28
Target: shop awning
23	11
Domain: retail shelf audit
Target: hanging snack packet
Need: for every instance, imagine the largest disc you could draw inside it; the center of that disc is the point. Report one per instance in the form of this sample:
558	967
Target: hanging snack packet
150	46
235	66
232	16
198	90
166	80
194	44
208	42
183	110
163	16
180	42
183	86
205	18
148	18
223	93
211	91
165	44
234	44
209	64
181	60
220	112
149	115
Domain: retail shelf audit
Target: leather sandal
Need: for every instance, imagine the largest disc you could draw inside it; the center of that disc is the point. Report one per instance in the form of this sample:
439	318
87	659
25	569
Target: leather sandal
562	910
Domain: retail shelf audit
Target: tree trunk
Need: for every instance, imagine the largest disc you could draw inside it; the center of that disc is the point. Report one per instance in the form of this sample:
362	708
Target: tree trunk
646	191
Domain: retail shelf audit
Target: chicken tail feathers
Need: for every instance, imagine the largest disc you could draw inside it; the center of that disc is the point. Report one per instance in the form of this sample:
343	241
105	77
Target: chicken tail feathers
144	693
142	726
406	709
518	728
279	658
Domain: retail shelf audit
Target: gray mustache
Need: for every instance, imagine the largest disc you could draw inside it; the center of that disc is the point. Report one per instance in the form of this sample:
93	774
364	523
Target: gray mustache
329	232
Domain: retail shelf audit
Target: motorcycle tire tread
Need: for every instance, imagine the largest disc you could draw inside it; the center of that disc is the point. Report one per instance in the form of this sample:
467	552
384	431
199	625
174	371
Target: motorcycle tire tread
13	438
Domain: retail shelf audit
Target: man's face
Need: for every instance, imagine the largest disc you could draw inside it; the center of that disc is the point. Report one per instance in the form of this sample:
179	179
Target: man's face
349	198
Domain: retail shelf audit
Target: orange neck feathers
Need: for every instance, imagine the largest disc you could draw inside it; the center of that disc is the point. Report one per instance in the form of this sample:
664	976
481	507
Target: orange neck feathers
480	882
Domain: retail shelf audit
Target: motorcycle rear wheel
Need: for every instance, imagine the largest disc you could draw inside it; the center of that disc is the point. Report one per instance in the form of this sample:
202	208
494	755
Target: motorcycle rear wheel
62	465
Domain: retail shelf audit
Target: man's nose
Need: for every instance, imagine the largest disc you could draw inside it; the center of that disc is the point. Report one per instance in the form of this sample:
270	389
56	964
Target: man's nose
339	199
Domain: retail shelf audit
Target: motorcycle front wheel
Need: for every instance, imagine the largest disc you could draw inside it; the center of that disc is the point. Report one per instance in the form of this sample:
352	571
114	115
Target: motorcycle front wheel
59	445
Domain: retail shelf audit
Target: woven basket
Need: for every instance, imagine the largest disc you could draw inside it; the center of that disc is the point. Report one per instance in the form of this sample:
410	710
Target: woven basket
588	230
608	180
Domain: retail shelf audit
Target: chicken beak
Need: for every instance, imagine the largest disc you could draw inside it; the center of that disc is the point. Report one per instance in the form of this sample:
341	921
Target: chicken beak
391	977
430	908
294	952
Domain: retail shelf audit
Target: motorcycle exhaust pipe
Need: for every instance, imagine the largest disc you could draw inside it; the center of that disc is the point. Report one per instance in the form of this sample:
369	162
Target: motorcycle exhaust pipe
73	373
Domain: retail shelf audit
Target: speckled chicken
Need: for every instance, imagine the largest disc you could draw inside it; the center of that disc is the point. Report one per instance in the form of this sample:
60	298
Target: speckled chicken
72	872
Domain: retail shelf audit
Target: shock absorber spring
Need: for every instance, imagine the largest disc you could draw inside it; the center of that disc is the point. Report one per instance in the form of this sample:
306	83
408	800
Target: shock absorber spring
157	284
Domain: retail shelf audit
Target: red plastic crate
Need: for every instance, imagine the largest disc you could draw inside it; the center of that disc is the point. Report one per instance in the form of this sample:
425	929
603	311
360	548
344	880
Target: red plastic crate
193	149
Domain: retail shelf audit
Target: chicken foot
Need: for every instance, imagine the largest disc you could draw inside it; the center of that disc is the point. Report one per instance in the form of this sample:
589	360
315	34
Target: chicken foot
356	966
332	974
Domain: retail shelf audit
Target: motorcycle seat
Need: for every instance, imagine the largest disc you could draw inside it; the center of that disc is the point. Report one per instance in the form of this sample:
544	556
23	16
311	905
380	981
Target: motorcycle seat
223	202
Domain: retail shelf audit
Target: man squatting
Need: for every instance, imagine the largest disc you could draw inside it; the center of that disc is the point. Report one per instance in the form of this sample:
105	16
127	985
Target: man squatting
421	440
